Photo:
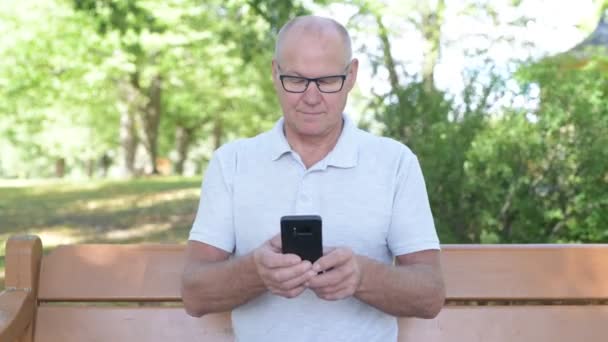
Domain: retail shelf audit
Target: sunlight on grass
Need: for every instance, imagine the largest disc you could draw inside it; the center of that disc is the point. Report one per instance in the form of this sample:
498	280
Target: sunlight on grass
147	210
64	236
42	186
52	237
136	200
21	183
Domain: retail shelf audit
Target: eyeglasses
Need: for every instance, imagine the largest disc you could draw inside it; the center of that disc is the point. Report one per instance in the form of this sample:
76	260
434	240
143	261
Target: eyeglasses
325	84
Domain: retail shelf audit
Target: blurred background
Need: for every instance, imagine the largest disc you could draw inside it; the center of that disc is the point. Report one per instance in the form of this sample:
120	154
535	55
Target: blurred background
111	109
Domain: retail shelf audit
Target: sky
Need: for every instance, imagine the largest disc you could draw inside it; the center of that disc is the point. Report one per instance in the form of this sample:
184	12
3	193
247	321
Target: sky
557	26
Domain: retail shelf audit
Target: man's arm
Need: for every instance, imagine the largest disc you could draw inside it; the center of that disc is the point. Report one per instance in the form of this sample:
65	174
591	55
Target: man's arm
211	282
214	282
414	287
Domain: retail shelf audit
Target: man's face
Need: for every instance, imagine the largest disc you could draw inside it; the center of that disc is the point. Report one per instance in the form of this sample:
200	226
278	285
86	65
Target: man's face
313	113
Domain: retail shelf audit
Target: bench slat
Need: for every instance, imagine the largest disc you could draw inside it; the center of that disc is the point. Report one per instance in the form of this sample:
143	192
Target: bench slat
77	324
553	323
510	272
454	323
112	273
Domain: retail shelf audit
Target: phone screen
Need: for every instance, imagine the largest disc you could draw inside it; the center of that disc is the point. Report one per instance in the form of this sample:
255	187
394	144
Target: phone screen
301	235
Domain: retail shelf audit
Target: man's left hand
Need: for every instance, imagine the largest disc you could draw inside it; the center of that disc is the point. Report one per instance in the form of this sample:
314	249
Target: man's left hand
341	277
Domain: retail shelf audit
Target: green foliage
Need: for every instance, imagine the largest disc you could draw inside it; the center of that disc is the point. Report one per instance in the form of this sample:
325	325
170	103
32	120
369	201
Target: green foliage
425	121
519	177
93	60
573	132
121	15
502	174
72	68
51	91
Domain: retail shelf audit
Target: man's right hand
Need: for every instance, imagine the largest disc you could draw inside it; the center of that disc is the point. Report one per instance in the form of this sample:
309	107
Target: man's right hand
283	274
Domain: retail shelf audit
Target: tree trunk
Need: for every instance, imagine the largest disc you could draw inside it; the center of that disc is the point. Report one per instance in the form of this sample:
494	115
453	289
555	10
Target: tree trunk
129	106
105	161
183	139
151	120
430	28
90	168
148	113
218	131
128	141
389	61
60	167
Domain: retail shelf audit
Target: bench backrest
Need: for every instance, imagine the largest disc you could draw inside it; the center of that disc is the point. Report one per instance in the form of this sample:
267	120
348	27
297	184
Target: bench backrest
494	293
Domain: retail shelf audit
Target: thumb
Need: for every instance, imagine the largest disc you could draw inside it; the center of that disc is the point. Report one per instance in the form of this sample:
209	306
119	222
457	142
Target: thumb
276	244
327	250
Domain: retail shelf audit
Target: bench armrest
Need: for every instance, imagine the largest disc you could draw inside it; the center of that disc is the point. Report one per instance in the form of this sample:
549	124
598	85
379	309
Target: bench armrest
18	304
16	313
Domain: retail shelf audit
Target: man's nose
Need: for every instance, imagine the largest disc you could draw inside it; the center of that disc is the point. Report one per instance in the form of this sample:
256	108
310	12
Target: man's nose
312	95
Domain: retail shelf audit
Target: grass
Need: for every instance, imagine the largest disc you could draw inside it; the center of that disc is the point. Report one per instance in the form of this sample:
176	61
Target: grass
143	210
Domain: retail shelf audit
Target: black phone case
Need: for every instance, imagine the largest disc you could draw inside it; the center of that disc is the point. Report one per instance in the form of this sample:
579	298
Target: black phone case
301	235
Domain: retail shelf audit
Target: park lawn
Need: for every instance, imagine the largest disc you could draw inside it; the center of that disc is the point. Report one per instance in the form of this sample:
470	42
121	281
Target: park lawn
151	210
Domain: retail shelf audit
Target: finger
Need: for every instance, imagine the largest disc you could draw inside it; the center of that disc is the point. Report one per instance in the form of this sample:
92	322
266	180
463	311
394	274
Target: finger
333	278
334	259
276	243
327	250
289	293
301	280
271	259
283	274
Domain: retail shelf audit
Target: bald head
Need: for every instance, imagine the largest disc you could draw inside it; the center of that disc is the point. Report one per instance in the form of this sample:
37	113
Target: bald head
313	26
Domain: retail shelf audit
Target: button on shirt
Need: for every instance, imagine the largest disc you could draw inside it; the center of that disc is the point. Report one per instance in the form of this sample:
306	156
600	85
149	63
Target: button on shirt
370	194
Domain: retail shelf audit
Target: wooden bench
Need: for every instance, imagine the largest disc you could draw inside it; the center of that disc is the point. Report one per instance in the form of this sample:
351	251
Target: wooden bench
131	293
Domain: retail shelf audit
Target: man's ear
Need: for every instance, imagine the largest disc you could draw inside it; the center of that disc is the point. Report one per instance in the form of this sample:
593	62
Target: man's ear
352	74
275	75
274	69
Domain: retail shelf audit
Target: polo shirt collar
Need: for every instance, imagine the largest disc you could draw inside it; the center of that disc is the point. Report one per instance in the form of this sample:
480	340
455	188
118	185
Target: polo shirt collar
346	152
278	142
344	155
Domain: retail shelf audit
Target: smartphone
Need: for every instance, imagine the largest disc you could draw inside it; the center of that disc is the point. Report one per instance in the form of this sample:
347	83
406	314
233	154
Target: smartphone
301	235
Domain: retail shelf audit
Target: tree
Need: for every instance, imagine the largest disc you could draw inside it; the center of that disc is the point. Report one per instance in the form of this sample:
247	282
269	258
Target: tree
437	125
51	97
233	78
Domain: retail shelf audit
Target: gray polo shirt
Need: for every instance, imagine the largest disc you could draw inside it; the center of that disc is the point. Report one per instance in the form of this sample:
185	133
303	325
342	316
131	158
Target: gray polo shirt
371	195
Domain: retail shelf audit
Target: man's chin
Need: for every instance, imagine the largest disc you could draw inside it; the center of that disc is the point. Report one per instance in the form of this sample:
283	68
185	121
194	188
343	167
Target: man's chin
310	131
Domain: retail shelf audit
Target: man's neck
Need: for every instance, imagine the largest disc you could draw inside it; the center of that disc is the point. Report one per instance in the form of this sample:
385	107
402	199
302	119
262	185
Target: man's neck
312	149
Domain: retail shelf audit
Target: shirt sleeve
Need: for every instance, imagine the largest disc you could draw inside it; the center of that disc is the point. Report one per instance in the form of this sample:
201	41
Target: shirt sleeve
213	224
412	228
